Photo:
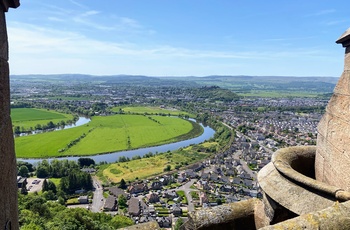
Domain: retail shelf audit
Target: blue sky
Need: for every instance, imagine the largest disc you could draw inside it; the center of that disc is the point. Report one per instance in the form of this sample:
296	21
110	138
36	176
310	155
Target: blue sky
178	37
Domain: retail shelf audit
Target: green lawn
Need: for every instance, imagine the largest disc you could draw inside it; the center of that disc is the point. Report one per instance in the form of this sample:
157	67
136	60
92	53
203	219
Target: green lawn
104	134
56	181
29	117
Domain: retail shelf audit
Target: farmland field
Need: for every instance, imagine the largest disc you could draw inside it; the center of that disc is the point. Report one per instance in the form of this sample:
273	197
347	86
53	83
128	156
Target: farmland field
29	117
106	134
151	110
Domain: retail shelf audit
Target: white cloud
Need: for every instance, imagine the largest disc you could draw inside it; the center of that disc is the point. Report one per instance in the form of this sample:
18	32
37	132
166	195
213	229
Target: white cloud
322	12
36	49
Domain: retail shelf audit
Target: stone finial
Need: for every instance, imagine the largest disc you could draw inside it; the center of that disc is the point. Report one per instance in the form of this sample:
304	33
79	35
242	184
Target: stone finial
6	4
344	38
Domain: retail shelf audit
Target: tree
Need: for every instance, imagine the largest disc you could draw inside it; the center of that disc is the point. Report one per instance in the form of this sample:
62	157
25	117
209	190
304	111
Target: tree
45	186
23	171
122	202
85	162
76	180
28	165
122	184
17	130
42	172
49	195
24	190
167	168
52	187
178	223
119	221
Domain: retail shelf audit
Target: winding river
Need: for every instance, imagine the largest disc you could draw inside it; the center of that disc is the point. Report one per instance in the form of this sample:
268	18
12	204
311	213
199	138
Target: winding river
112	157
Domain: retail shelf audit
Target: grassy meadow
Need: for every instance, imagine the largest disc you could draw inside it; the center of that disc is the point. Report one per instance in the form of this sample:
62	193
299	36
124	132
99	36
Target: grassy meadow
151	110
146	167
29	117
106	134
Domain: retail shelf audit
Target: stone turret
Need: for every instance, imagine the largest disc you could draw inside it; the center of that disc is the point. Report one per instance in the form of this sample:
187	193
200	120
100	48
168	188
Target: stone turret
8	169
333	149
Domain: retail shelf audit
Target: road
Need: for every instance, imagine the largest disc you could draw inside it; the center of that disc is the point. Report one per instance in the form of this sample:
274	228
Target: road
98	200
236	156
186	188
245	166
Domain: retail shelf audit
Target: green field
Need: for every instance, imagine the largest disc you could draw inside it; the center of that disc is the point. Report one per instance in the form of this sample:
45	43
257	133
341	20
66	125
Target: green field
146	167
152	110
106	134
29	117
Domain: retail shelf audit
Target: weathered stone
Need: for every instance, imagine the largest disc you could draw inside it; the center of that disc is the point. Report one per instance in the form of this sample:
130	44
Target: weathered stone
145	226
333	151
239	215
8	171
335	217
343	85
289	194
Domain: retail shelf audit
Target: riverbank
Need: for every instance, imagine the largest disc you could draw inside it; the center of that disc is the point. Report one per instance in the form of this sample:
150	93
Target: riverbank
114	155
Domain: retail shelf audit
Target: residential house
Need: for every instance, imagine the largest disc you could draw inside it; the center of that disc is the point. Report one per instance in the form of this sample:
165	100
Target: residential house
21	181
191	174
156	185
138	188
110	204
248	183
181	178
83	199
197	167
134	208
204	176
214	177
152	197
226	188
177	211
170	194
115	191
167	179
164	222
225	179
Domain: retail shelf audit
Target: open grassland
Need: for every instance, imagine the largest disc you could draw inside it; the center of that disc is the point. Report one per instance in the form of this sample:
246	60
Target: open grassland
106	134
29	117
152	110
146	167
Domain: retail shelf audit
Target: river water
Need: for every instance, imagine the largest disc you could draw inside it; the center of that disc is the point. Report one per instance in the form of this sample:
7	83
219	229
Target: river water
112	157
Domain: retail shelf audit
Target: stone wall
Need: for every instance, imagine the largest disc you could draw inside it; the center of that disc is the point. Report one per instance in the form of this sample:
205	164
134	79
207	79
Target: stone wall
333	149
8	169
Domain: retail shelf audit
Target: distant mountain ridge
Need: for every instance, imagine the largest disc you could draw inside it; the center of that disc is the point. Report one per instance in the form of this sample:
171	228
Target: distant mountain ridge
241	84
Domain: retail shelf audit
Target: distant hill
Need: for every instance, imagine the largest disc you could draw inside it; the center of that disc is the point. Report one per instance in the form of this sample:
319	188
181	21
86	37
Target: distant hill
261	86
270	85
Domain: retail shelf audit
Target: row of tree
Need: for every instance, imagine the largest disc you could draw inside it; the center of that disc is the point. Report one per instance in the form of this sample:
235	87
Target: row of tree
35	213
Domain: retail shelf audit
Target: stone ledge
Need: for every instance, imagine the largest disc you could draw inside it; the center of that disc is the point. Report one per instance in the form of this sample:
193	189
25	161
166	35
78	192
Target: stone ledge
296	162
334	217
289	194
145	226
239	215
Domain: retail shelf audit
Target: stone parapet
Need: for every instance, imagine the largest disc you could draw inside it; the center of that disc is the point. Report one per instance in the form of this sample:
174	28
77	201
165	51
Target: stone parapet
239	215
335	217
145	226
